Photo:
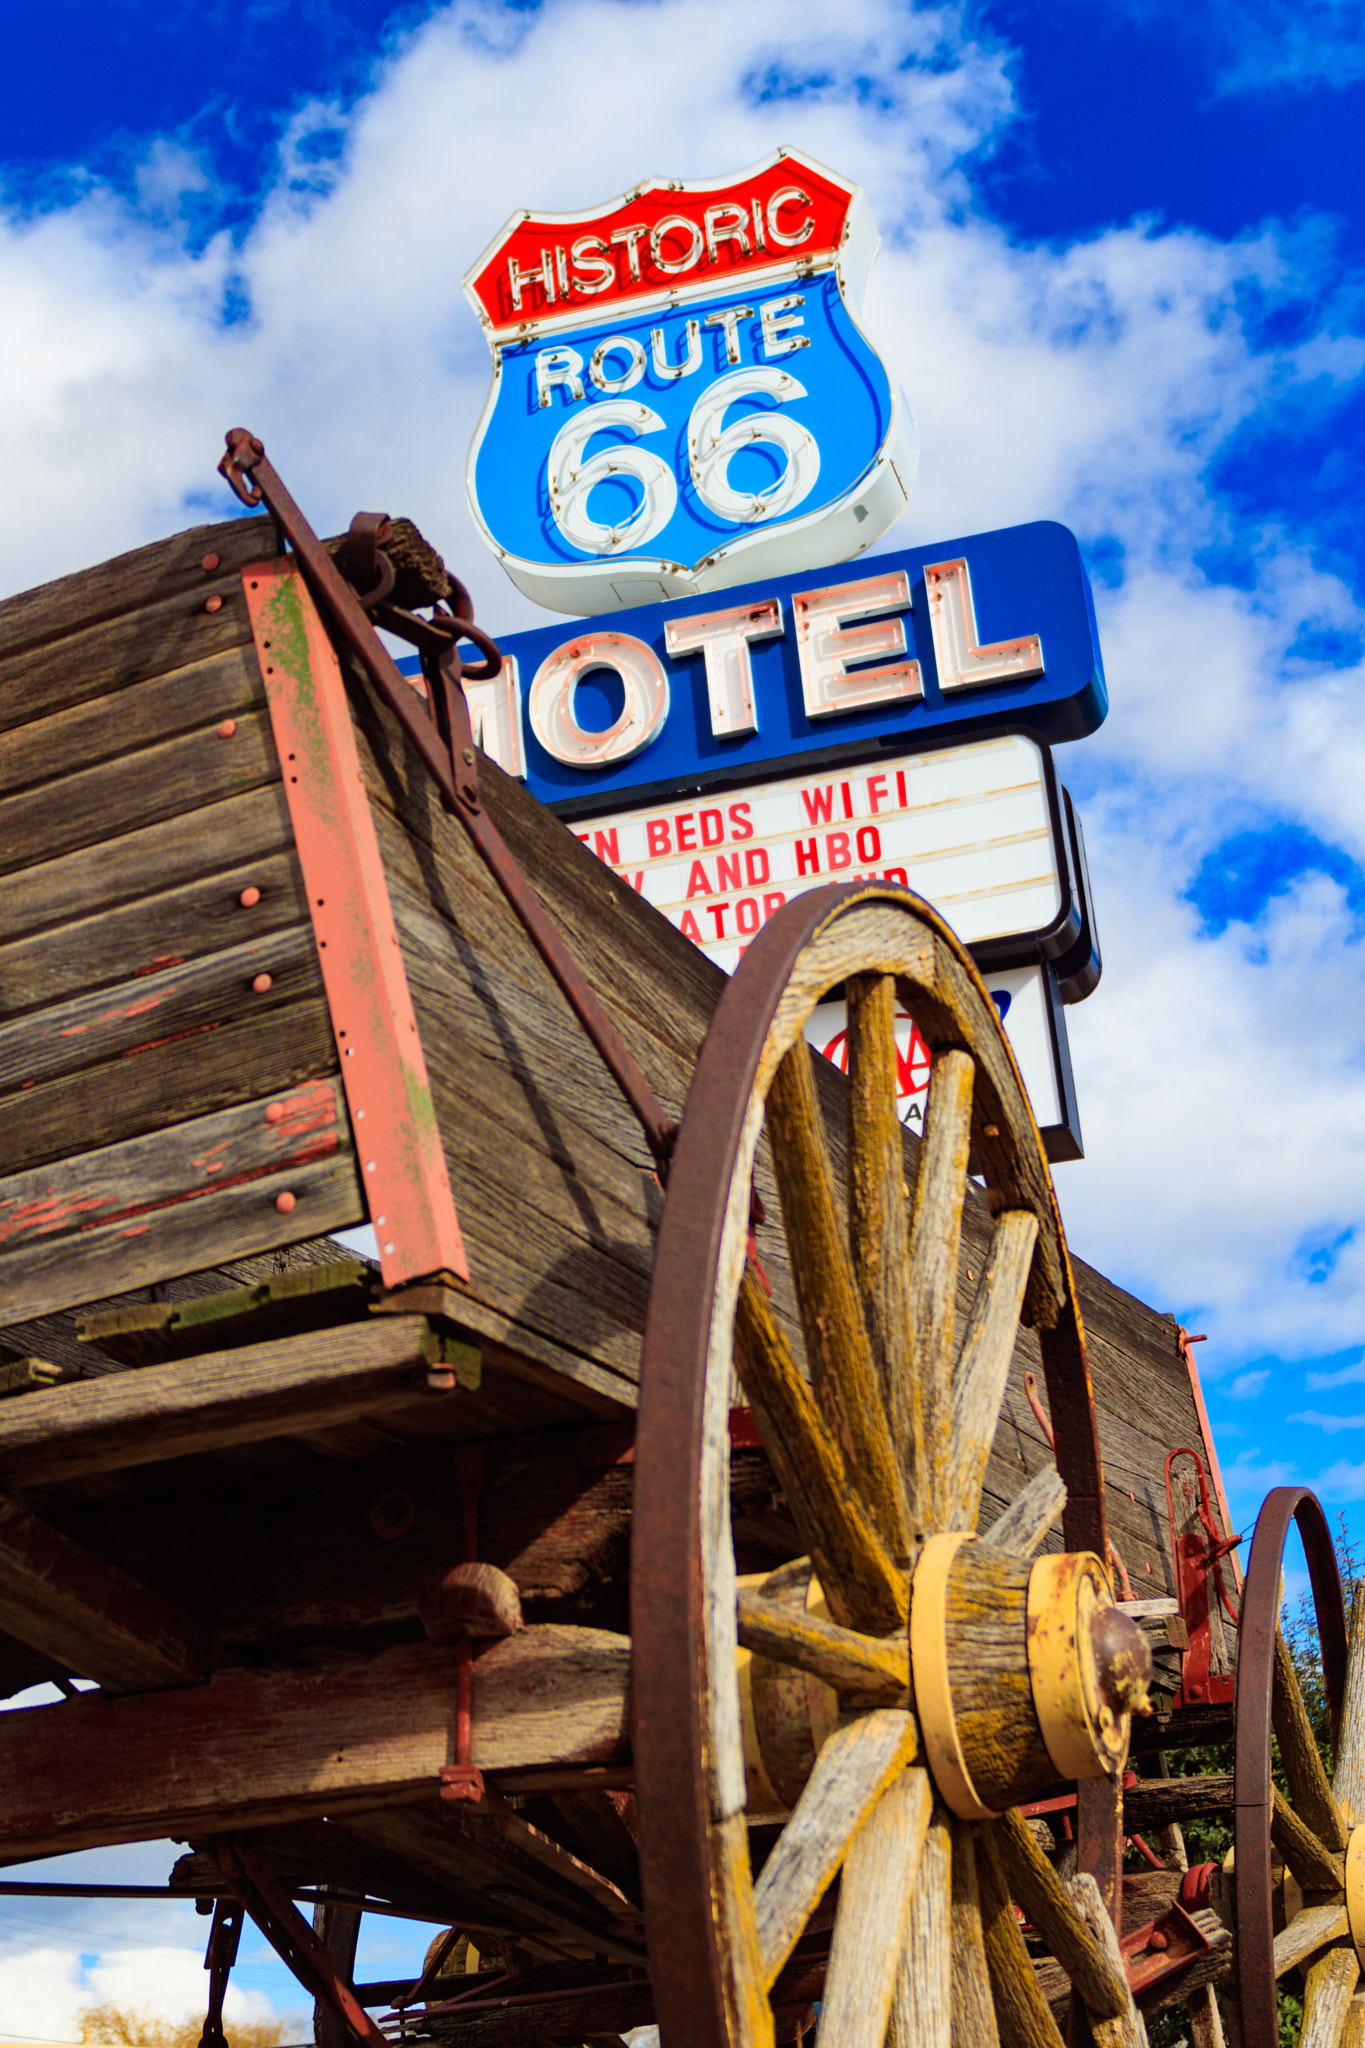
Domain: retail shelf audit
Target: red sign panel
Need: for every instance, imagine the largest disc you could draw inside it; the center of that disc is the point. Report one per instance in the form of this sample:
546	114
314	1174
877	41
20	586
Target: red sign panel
663	240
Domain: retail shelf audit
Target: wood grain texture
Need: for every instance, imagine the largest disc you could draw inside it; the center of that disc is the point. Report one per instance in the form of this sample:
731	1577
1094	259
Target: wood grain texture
250	1748
853	1770
1125	2028
874	1895
862	1585
1327	1992
1052	1908
166	927
1314	1865
137	715
198	1404
1030	1514
90	1617
135	1208
164	574
1315	1928
204	841
935	1247
848	1661
974	2024
983	1366
1023	2016
843	1371
922	2014
878	1208
1308	1784
1348	1778
86	806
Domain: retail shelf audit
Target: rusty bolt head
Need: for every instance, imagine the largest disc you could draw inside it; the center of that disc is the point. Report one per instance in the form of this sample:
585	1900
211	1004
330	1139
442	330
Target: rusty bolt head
262	982
213	604
991	1131
1124	1662
249	898
467	757
227	728
392	1515
274	1112
286	1203
210	563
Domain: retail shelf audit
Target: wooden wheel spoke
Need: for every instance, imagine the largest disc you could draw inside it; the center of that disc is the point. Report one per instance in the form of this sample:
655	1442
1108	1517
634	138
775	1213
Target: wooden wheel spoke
1315	1867
922	2005
1308	1783
984	1365
1023	2014
973	2007
842	1657
1307	1932
852	1772
1096	1974
1030	1514
1348	1779
1327	1995
874	1896
861	1582
878	1207
935	1244
843	1372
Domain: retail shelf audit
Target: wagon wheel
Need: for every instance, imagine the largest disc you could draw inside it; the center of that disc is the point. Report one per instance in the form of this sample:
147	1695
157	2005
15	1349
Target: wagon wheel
1318	1832
880	1450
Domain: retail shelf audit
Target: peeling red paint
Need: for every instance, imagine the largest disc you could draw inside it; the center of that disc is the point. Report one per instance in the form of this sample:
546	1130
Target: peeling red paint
151	1044
162	960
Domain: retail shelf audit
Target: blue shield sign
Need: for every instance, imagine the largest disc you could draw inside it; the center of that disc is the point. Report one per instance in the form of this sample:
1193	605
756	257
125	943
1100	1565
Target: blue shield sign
682	396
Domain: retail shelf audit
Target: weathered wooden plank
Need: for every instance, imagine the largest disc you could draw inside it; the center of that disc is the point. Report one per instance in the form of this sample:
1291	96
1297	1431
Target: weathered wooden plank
90	805
122	651
165	929
250	1748
1156	1802
1348	1779
1308	1932
199	1404
1030	1514
178	998
163	573
151	1087
202	842
223	685
124	1187
90	1617
1302	1761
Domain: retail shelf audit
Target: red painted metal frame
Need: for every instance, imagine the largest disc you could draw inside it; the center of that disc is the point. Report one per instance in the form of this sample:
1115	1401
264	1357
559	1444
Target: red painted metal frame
1187	1343
383	1069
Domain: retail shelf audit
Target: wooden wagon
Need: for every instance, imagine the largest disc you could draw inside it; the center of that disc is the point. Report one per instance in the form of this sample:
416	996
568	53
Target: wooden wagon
683	1566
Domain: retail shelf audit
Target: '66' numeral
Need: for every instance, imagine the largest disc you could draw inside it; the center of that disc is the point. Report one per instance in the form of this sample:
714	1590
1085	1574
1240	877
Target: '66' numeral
711	447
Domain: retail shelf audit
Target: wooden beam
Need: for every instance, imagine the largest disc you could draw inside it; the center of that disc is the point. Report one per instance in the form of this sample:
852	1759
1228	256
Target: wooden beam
251	1748
90	1617
202	1404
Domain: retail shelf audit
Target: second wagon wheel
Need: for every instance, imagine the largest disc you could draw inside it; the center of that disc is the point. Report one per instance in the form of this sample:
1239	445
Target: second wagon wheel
806	1831
1318	1833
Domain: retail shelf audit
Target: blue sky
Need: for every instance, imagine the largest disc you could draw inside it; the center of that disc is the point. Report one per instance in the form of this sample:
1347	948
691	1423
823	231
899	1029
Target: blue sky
1121	284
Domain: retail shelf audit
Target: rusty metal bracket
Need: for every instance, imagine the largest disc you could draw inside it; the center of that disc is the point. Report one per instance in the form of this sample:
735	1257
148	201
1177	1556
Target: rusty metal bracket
293	1940
224	1936
255	481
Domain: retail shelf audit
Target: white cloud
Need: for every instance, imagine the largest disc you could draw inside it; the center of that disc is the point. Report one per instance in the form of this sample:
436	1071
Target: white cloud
43	1988
1248	1385
1345	1376
1332	1425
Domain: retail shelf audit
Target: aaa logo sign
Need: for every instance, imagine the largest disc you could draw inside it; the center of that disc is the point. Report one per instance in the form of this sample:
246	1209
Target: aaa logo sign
682	395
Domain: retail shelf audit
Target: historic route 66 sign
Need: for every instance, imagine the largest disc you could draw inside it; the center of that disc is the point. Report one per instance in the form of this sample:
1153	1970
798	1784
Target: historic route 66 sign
682	396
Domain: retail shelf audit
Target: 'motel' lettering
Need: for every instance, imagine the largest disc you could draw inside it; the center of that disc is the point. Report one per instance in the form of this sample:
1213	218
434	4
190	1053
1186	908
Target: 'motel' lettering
906	650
